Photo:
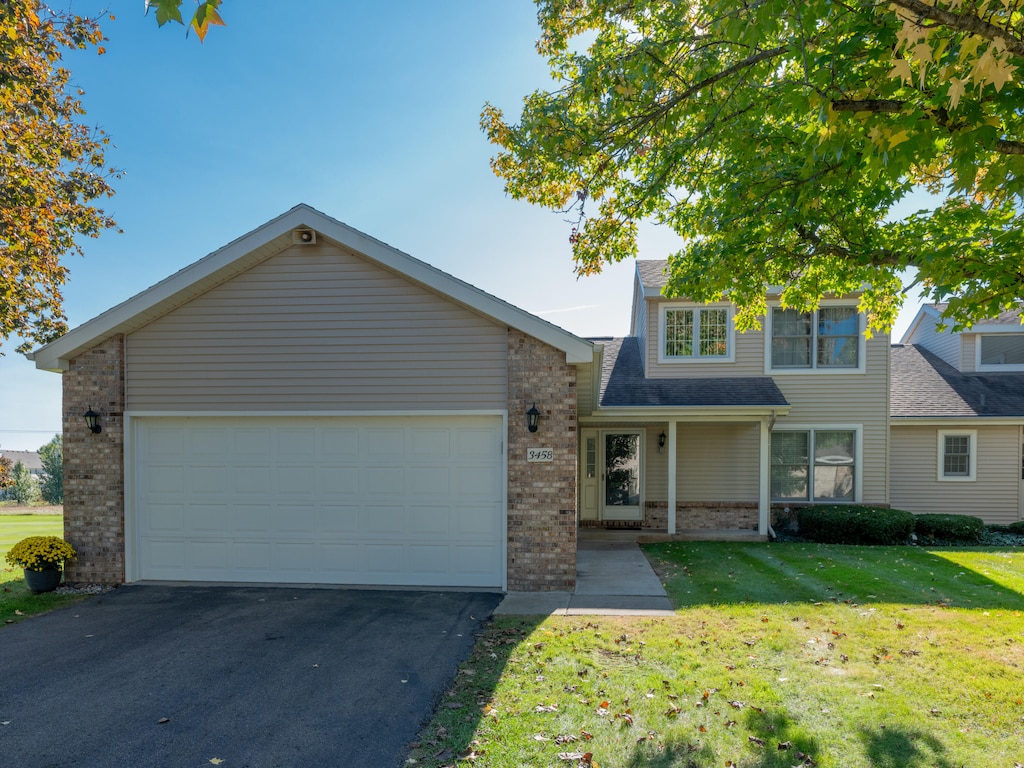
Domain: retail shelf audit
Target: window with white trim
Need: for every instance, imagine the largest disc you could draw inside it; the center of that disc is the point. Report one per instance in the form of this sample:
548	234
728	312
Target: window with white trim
814	465
1001	351
828	338
696	333
957	458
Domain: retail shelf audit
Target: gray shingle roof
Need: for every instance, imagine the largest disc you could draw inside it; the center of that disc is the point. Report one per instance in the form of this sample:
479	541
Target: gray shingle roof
623	384
922	384
652	272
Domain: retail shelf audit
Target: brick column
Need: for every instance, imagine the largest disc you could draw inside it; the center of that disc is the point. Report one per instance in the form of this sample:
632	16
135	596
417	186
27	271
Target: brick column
94	464
541	495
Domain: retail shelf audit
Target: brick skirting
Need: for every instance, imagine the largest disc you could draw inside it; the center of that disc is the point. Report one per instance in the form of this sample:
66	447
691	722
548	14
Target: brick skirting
703	515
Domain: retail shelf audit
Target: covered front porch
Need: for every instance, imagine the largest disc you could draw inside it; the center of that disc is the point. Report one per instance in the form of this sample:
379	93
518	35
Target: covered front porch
686	476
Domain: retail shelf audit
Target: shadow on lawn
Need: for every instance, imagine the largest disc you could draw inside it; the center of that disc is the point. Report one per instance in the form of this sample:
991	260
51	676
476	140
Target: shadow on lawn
721	573
899	748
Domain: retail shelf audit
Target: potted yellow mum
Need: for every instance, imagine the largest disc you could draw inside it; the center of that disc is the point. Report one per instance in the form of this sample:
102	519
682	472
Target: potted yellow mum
43	559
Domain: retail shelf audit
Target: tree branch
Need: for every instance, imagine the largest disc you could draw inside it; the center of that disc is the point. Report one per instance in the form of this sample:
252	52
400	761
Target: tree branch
963	23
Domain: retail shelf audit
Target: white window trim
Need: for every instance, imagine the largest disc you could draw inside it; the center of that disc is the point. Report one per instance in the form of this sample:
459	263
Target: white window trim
814	370
978	366
858	459
730	342
972	447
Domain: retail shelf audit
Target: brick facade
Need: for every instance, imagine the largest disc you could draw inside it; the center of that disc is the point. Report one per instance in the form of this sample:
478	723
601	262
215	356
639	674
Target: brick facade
94	464
541	495
703	516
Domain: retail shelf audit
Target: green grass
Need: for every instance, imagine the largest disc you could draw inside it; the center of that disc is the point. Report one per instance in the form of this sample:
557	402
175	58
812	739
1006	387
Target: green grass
16	601
779	653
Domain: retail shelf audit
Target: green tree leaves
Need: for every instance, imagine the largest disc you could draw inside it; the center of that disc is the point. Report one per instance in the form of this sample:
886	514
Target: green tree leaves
51	485
776	138
205	16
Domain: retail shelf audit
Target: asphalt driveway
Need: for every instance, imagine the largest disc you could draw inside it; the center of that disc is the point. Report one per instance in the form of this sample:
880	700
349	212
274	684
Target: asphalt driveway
187	676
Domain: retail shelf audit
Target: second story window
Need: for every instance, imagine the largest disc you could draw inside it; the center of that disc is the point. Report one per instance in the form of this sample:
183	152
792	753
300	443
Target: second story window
695	333
1001	351
826	339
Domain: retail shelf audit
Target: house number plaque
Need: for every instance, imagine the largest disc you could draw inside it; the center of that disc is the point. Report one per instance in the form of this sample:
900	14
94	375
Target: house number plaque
540	454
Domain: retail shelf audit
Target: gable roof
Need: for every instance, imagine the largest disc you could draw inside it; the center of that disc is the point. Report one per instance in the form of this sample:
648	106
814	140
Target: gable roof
924	385
269	239
1007	321
30	459
623	384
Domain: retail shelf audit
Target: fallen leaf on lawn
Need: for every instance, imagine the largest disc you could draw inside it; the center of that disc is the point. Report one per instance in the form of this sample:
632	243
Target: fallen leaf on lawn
934	712
737	704
546	708
467	671
626	717
453	705
540	737
565	738
572	755
442	754
784	745
755	740
18	613
673	711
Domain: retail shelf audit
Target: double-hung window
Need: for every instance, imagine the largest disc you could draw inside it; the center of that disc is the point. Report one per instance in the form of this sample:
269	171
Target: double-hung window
827	339
957	458
696	333
1000	352
814	465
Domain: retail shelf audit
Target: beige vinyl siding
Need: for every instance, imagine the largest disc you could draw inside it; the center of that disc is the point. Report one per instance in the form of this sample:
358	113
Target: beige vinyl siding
639	322
994	495
749	354
945	344
820	400
317	328
968	342
714	462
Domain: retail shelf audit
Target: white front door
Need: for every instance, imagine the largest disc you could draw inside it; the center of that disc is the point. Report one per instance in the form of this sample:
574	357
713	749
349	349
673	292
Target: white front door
621	460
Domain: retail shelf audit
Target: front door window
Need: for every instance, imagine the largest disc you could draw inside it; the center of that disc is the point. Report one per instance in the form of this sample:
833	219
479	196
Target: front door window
622	475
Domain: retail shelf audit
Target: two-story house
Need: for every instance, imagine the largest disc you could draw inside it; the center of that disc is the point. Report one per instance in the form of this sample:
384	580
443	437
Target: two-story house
691	426
957	418
310	405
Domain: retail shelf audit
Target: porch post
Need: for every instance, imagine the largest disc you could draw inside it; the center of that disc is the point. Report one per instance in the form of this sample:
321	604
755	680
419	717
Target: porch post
764	479
671	477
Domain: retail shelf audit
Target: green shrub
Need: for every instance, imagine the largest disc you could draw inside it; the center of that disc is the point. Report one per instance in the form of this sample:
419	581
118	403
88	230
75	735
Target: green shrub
1015	528
854	524
950	528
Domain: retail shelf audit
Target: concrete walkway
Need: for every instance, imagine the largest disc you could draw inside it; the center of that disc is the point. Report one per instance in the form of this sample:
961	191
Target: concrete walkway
613	578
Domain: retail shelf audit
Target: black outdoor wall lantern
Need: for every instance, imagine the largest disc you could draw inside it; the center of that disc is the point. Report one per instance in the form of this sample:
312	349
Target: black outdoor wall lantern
92	421
532	417
661	441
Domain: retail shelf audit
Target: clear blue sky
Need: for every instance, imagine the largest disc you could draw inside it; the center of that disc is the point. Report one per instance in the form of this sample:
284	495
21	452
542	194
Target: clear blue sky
368	111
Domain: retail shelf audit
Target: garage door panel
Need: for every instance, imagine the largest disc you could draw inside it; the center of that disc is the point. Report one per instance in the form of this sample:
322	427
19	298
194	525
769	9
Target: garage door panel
359	500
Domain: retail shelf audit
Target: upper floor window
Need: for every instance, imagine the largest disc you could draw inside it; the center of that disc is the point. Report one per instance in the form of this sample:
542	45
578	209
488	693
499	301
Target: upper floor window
1004	351
828	338
696	333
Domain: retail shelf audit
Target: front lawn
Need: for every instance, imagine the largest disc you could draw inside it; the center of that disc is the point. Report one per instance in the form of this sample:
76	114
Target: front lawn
780	655
16	601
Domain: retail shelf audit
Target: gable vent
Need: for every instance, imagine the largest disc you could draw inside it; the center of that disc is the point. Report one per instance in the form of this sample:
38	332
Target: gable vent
303	236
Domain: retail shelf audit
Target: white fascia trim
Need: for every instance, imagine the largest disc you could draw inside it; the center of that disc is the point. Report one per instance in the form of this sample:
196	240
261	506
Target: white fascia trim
666	306
858	449
918	319
307	414
954	421
688	413
972	455
175	289
813	371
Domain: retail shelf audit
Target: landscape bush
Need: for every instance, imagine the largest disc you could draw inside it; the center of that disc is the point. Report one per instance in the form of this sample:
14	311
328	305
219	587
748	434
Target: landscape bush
1017	528
961	528
854	524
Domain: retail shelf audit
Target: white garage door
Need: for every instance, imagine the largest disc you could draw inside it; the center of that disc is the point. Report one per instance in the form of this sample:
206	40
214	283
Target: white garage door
334	500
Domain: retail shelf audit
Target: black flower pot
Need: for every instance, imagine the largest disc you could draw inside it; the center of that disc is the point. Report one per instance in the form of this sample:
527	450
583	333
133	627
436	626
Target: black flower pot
42	581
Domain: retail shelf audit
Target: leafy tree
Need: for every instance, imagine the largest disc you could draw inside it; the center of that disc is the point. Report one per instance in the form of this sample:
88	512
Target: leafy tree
24	489
776	138
5	473
51	166
52	457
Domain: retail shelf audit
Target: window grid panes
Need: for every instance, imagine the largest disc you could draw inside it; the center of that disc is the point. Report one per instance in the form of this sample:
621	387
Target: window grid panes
831	332
829	477
956	456
709	327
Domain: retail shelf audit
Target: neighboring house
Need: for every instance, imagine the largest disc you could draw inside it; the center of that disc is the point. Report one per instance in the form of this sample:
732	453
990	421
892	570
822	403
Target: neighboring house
31	461
957	426
310	405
